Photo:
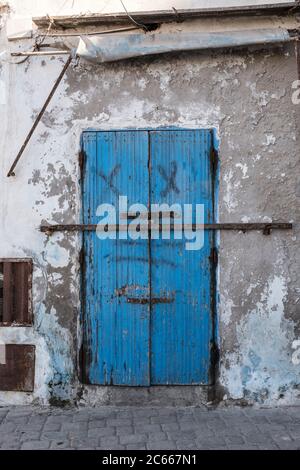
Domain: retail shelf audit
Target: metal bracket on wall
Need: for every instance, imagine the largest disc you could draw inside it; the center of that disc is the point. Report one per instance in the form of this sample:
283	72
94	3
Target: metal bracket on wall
266	227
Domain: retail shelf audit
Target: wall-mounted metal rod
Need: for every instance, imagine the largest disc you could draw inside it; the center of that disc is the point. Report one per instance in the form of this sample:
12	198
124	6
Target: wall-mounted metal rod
39	117
243	227
91	33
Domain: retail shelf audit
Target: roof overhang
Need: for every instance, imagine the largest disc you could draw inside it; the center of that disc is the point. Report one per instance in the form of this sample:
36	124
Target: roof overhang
163	16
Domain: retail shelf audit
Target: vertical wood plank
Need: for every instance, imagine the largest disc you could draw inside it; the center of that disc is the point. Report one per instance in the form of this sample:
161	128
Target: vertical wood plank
8	288
16	292
181	331
1	292
21	297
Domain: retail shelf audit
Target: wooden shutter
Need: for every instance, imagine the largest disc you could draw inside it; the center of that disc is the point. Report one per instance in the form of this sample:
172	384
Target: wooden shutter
17	368
15	292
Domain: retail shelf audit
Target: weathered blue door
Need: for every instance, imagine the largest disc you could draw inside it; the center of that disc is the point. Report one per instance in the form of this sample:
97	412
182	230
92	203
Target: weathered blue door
147	303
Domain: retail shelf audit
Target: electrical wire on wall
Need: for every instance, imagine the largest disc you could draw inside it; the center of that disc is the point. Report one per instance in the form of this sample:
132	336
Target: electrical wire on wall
139	25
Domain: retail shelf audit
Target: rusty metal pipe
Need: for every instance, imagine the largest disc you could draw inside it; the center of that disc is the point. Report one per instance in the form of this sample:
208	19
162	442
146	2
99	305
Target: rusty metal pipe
92	33
152	301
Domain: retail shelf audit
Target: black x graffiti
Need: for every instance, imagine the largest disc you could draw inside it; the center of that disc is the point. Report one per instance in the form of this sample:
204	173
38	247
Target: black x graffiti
109	179
170	179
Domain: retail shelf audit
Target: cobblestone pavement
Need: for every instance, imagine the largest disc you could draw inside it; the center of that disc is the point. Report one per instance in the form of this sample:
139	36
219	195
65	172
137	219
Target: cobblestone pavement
133	428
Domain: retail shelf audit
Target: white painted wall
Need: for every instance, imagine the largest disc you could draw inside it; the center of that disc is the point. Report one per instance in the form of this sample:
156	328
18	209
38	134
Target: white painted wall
84	101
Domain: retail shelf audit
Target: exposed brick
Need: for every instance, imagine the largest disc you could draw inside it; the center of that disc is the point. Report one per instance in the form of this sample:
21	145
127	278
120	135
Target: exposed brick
133	439
35	445
98	423
148	428
109	442
101	432
124	430
162	445
157	436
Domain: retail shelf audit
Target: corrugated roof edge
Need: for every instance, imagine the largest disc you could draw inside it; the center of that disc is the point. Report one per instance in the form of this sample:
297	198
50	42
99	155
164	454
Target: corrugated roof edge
162	16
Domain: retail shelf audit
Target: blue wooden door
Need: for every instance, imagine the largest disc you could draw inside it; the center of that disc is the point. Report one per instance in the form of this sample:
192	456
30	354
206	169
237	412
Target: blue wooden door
164	336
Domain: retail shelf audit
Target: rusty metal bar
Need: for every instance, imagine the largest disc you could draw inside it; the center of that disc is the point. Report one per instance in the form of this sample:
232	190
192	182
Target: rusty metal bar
92	33
152	301
266	227
39	117
39	53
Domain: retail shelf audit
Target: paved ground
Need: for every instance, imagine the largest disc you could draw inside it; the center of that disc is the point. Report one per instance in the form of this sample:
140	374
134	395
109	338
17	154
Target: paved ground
112	428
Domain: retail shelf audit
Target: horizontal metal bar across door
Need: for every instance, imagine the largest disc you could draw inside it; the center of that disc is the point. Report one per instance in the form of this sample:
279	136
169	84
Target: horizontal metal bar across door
229	226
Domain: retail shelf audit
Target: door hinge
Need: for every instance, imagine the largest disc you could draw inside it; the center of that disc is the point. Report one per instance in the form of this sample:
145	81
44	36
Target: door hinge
81	257
214	256
214	157
81	159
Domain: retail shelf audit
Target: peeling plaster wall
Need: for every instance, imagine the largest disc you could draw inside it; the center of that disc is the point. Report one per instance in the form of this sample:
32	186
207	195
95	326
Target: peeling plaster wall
246	97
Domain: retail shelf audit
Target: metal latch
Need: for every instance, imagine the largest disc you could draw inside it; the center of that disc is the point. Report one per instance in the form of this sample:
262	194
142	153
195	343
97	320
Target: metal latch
152	301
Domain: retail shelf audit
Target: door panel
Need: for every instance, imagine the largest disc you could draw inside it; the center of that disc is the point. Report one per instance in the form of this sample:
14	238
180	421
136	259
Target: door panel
116	338
181	330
